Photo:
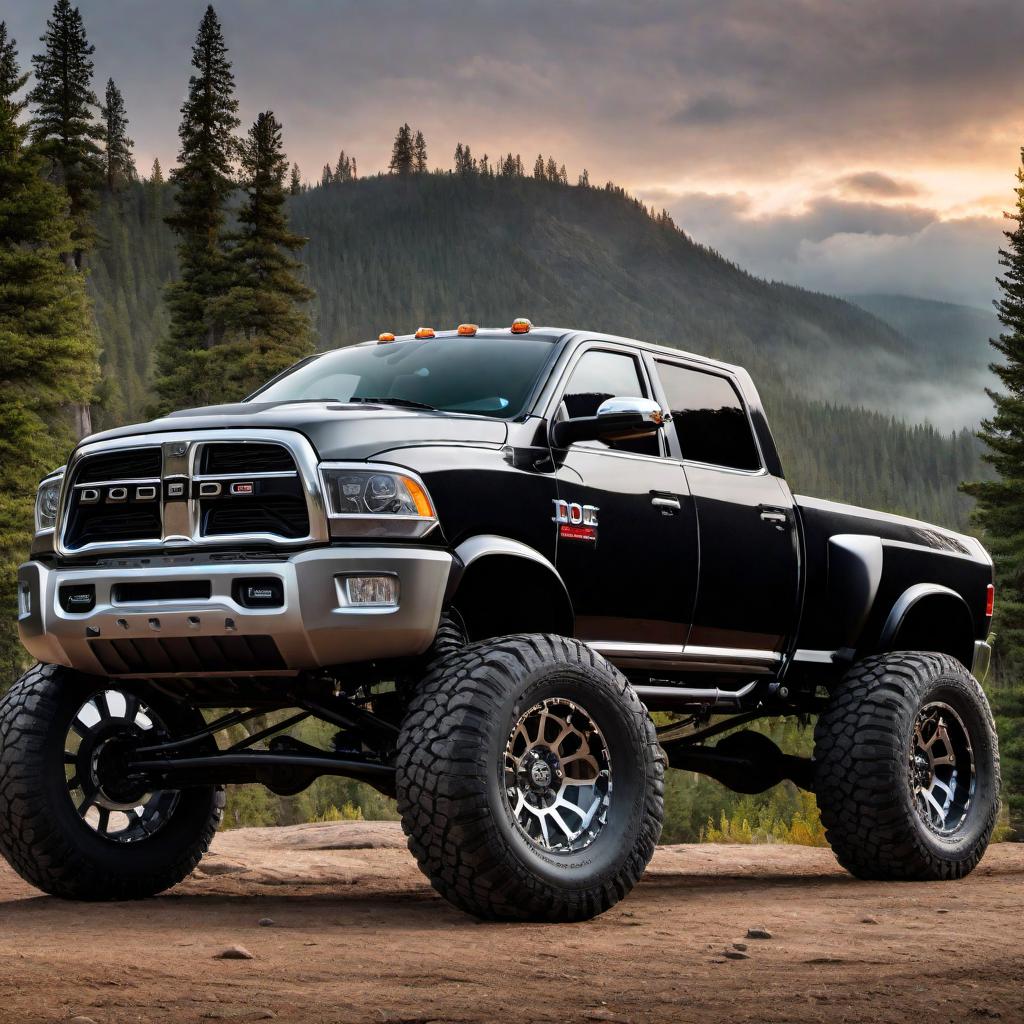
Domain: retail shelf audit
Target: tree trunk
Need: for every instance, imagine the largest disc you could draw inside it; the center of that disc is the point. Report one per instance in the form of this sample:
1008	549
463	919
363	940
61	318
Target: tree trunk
81	418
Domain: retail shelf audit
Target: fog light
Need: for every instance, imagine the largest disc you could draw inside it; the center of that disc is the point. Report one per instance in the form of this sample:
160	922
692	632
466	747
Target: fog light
78	597
372	591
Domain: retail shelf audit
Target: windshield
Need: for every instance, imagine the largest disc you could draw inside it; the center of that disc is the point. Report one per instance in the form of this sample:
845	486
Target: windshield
485	376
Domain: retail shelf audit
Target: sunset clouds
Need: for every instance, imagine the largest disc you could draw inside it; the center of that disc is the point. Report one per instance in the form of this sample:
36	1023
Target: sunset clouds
837	144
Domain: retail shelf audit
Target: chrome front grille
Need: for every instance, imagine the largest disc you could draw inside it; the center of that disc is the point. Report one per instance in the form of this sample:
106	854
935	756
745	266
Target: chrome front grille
192	489
114	496
228	458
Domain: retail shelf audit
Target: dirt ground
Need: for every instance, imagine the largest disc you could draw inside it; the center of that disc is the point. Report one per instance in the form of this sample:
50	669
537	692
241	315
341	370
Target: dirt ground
358	935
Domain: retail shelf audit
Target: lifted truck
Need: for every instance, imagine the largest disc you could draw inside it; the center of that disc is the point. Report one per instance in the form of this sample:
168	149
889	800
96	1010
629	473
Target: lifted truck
483	556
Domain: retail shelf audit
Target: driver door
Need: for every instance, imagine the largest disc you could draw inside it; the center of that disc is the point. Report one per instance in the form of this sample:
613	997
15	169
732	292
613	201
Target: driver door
627	533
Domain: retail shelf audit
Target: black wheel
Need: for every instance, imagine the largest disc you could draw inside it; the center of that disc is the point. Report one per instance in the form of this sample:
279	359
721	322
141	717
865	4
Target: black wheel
530	781
907	768
72	822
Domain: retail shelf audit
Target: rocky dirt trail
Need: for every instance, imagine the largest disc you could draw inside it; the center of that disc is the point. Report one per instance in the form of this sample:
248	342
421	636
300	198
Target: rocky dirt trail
341	927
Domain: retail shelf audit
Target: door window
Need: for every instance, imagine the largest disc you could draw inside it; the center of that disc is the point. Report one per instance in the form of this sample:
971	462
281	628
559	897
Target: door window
710	421
597	377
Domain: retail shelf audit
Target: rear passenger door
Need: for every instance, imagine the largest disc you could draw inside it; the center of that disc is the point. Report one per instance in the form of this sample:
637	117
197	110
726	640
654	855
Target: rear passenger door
627	539
748	582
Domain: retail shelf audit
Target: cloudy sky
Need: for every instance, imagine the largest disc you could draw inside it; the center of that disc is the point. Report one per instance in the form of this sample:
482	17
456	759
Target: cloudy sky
847	145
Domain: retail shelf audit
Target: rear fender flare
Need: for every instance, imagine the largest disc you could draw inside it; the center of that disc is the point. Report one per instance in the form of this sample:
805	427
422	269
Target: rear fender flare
948	603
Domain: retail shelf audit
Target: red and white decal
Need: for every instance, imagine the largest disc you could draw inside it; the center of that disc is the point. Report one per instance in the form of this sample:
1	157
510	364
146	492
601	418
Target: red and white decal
575	521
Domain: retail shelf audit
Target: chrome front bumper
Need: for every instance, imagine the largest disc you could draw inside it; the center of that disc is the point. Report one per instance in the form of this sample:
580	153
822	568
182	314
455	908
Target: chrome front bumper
313	627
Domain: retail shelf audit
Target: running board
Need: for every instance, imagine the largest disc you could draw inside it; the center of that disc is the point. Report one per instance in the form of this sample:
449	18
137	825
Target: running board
691	658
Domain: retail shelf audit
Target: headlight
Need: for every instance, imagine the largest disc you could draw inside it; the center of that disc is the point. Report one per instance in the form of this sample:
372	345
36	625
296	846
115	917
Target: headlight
48	502
377	503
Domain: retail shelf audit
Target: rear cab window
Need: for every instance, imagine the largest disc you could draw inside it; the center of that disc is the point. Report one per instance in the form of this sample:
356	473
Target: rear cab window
709	418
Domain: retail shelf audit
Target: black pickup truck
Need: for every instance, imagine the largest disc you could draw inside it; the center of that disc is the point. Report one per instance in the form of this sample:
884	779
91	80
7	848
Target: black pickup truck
484	556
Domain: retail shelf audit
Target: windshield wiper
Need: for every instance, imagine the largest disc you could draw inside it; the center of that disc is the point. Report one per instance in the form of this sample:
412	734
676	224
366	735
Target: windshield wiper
406	403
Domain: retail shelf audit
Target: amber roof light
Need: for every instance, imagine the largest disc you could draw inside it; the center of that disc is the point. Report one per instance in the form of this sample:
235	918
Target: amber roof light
468	330
425	332
385	338
521	325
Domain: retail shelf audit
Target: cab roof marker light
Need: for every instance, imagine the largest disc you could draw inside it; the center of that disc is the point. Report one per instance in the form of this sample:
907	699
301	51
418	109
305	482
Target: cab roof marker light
467	330
521	325
425	332
385	338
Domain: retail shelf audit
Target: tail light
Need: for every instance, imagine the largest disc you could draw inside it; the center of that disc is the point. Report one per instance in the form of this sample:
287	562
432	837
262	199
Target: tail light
990	600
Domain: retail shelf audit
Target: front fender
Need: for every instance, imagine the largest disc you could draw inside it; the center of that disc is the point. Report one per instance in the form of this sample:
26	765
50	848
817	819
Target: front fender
541	578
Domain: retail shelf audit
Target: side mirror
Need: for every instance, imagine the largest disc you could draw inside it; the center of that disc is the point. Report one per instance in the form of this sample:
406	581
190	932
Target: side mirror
617	419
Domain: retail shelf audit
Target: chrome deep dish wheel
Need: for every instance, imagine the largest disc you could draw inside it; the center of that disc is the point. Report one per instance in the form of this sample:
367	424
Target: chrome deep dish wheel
942	771
558	776
103	732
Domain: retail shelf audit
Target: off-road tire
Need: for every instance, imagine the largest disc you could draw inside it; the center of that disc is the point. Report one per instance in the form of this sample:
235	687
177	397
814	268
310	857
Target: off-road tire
450	788
863	743
449	638
41	834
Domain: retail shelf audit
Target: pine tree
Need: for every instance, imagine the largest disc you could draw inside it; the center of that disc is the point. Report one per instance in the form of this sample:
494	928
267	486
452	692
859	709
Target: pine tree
563	175
464	162
326	176
63	122
510	166
204	182
295	181
402	156
153	189
1000	509
538	168
118	161
259	319
1000	502
343	168
551	169
584	179
46	338
420	154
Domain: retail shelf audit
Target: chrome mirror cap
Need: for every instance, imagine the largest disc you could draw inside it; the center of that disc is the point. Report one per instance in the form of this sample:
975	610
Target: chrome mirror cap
646	408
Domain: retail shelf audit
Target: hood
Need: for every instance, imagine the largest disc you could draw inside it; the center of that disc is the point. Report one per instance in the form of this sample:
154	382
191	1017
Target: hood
336	430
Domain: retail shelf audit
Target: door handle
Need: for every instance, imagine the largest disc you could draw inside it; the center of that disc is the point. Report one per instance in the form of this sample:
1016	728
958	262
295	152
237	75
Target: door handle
665	501
774	516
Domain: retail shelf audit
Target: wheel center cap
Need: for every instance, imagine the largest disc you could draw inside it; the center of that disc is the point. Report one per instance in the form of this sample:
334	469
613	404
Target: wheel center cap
540	774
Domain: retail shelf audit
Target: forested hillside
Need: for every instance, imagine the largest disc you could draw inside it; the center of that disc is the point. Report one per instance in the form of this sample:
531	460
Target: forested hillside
950	344
958	335
392	253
